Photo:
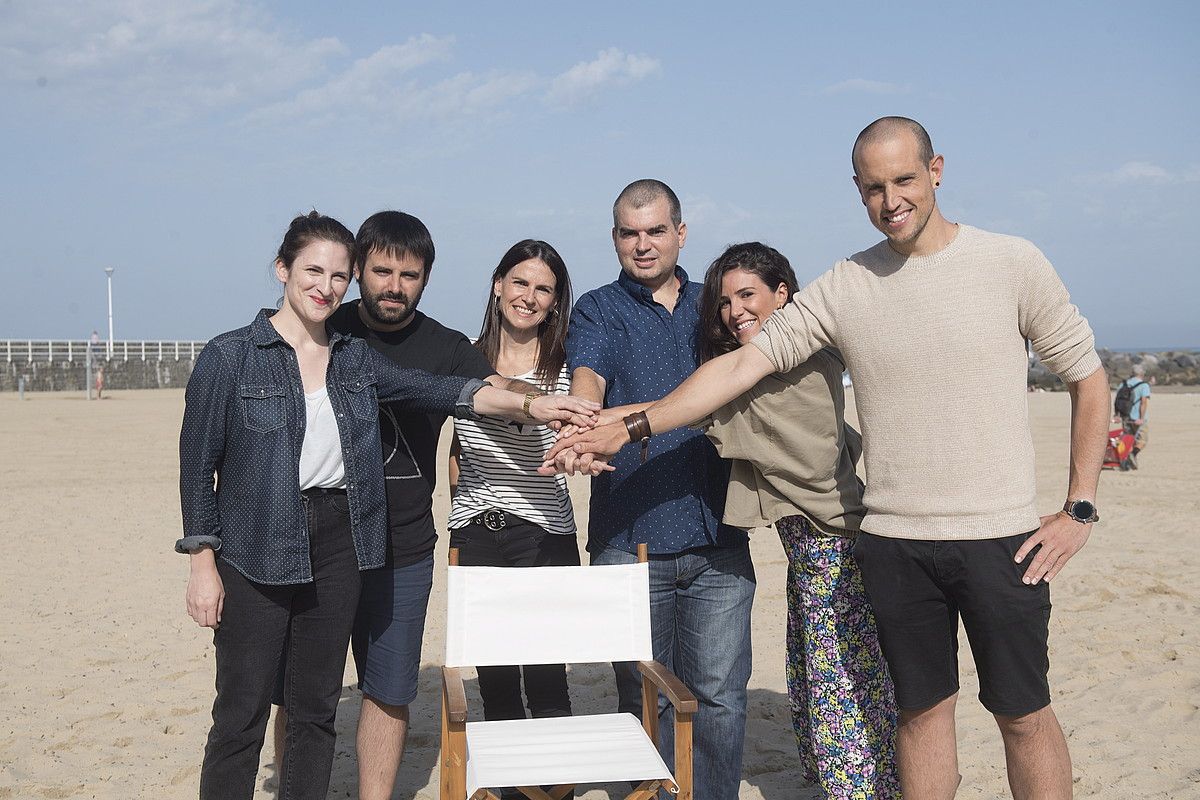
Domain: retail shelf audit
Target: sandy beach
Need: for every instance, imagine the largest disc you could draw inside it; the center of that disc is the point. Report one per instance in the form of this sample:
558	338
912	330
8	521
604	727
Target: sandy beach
106	684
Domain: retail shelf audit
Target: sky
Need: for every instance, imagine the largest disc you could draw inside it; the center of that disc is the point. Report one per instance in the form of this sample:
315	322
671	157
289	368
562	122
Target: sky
174	142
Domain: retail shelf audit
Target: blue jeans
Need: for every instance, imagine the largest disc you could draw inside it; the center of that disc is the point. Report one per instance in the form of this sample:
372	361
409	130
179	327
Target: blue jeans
700	604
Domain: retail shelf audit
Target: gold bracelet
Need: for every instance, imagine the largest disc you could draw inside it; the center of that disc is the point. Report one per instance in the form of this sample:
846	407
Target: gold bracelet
529	398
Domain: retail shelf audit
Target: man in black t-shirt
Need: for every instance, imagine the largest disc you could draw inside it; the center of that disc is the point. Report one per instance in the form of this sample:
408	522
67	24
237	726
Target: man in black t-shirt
395	254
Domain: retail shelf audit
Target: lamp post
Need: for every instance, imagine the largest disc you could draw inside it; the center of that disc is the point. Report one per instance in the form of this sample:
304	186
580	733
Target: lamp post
109	271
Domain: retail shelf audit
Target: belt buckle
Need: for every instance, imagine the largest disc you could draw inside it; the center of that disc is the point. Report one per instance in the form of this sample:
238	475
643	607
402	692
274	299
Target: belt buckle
493	519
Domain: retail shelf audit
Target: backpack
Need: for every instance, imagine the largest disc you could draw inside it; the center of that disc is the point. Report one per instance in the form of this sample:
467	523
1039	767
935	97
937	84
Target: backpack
1123	404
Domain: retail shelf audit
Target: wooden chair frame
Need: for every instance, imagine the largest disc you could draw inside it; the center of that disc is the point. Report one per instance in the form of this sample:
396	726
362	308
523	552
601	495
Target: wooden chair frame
656	679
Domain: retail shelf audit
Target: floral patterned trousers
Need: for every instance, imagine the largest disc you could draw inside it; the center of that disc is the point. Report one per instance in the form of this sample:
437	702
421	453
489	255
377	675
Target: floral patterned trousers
841	696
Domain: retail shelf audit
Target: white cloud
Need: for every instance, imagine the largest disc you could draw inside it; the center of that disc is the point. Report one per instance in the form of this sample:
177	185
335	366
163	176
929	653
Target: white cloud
376	83
151	56
866	86
610	67
157	61
1145	172
702	212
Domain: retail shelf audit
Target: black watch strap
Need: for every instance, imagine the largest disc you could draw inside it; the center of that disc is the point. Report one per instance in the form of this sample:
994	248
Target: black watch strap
1081	511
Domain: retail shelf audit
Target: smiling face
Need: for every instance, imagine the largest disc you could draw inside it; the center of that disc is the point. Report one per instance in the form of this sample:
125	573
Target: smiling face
391	288
897	188
317	280
747	302
526	295
647	241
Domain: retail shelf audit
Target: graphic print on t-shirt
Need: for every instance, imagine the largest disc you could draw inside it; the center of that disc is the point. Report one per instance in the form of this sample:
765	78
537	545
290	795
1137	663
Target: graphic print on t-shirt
398	461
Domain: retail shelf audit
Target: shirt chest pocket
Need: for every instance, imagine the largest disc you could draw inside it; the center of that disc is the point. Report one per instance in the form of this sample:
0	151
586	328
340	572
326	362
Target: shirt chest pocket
264	408
360	396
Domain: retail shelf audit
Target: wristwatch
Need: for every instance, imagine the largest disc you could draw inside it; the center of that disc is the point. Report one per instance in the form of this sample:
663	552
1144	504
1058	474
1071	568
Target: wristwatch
529	398
1081	510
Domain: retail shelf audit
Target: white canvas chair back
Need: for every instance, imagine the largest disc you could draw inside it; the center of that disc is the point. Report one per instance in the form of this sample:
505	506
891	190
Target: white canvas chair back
548	615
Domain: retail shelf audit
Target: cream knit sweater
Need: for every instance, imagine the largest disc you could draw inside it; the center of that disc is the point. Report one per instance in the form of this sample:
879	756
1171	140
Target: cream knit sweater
935	346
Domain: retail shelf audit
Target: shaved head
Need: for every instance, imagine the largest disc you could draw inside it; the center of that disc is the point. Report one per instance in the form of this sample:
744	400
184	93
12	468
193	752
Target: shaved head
640	194
886	128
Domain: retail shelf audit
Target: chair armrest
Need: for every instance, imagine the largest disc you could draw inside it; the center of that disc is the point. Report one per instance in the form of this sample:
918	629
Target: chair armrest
680	696
455	694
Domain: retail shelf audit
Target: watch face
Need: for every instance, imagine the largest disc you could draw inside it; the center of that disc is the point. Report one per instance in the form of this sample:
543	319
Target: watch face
1083	510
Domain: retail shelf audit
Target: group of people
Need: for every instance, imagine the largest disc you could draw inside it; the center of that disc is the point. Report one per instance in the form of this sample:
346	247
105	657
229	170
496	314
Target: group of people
701	411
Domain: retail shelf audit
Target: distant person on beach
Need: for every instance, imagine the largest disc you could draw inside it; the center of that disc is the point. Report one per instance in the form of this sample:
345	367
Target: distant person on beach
632	341
503	514
394	259
951	528
1132	404
283	414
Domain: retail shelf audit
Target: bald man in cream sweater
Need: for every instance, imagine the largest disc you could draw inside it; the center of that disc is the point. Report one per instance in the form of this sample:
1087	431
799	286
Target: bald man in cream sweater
951	529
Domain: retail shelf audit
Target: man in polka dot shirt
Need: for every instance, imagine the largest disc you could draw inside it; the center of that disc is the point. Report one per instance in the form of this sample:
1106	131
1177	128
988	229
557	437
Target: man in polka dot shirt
633	341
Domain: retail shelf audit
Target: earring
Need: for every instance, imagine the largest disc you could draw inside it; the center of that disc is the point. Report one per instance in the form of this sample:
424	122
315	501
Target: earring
937	183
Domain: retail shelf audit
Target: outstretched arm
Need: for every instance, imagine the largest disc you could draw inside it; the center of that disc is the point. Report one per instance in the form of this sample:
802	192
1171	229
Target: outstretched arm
490	401
707	389
1060	536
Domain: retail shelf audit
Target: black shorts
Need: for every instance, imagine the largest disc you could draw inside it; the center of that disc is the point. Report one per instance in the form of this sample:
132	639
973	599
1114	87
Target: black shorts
919	589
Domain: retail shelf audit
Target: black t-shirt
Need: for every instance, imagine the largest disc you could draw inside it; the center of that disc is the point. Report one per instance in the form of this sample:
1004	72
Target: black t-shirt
410	440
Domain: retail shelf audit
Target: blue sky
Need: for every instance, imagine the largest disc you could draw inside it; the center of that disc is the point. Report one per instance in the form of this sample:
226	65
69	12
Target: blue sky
174	141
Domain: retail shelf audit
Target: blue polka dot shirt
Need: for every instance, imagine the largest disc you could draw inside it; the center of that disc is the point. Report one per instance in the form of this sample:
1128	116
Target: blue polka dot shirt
675	500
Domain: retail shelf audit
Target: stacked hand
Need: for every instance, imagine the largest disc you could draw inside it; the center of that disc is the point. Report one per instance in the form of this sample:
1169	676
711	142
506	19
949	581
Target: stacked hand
585	451
564	408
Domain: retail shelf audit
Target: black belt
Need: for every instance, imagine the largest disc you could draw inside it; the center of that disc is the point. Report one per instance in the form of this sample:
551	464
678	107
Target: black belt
318	491
493	519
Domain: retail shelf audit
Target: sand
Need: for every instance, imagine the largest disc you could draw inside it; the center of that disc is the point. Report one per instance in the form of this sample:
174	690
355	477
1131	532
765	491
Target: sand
106	684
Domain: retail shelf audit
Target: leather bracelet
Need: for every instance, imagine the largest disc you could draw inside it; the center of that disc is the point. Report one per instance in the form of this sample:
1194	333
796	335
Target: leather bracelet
638	426
529	398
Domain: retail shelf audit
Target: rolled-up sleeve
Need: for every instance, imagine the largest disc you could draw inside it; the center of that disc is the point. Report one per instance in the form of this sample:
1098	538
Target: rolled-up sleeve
202	448
800	328
1054	326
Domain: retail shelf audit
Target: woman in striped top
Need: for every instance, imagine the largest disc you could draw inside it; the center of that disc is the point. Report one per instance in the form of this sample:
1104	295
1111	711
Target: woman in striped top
503	513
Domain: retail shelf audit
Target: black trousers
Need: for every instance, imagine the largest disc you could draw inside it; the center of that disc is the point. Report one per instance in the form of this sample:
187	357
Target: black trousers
519	544
315	620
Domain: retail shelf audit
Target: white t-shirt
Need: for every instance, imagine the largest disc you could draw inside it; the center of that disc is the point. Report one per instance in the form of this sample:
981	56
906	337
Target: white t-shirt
498	464
321	465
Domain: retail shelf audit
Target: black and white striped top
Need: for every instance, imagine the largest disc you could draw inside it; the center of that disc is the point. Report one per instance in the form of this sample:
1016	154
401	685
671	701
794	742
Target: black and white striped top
498	462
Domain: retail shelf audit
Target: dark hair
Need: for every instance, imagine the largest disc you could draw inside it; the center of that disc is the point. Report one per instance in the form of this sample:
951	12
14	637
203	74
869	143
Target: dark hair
313	227
885	128
394	234
552	333
644	192
770	265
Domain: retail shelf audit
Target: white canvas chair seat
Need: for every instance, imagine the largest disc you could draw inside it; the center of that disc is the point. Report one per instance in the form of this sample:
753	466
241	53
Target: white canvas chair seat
601	748
556	615
547	615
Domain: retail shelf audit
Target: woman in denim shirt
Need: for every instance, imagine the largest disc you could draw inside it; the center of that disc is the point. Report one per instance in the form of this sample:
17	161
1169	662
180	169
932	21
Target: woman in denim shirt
284	415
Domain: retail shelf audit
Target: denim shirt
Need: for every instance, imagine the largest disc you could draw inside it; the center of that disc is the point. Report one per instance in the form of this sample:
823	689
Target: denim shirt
244	422
674	502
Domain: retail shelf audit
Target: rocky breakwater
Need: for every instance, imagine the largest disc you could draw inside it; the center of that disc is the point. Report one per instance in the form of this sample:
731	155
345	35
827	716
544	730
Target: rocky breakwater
1164	368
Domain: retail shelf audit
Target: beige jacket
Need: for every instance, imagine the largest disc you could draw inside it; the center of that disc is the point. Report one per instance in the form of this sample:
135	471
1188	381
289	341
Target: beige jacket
791	449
